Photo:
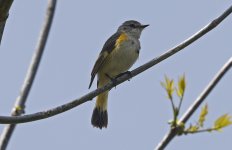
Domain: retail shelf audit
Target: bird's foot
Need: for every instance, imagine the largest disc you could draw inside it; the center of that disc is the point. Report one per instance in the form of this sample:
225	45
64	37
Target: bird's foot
121	74
113	80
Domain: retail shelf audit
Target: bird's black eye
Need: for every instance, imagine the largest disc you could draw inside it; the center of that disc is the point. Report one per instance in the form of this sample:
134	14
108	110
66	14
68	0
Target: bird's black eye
132	25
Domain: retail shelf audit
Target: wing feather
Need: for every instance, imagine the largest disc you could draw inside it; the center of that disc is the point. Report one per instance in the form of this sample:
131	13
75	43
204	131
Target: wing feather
108	47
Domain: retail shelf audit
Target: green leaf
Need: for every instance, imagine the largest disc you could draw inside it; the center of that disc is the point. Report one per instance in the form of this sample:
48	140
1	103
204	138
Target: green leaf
223	121
168	86
192	129
181	86
18	108
204	112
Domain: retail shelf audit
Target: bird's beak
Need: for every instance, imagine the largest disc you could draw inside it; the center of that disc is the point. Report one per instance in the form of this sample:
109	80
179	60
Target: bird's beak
144	26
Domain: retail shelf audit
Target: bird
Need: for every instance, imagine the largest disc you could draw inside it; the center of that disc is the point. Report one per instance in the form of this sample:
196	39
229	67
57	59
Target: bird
117	56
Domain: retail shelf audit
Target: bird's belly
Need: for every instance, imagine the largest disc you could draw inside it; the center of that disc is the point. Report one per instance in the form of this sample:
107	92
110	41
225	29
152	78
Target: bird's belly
120	60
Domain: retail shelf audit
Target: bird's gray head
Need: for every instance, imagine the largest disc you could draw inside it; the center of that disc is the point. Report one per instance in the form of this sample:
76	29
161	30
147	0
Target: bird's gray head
132	27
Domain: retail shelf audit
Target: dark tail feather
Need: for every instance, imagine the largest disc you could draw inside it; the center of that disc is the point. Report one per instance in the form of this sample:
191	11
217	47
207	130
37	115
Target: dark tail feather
99	118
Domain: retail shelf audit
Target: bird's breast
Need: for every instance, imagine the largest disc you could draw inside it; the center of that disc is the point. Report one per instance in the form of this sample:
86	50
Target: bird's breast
122	57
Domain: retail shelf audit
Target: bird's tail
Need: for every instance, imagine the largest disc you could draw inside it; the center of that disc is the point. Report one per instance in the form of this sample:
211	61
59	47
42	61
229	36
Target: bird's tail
100	116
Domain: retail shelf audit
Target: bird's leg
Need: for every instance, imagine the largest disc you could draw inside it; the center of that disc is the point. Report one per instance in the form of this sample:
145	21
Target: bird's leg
126	72
113	80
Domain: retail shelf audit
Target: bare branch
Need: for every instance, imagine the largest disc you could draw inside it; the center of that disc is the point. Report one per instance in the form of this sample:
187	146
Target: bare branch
4	13
91	95
172	133
31	73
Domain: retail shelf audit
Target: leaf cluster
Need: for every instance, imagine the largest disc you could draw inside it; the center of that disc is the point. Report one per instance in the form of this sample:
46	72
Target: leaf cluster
169	86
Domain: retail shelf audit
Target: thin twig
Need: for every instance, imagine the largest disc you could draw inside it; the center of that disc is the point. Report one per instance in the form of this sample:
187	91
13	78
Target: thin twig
4	13
200	131
91	95
31	73
173	132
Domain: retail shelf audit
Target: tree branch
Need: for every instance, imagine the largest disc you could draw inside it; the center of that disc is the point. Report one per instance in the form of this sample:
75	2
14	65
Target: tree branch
4	13
30	76
91	95
172	133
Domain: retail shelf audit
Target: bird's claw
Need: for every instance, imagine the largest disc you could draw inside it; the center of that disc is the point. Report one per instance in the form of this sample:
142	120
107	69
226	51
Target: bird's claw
113	80
121	74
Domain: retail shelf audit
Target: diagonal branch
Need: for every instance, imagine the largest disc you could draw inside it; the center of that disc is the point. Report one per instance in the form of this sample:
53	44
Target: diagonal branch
173	132
4	13
31	73
91	95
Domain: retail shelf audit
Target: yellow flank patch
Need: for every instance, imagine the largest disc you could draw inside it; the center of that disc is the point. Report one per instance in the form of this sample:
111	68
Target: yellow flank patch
121	39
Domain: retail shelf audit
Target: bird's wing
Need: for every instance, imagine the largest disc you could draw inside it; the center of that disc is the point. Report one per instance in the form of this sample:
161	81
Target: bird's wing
108	47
